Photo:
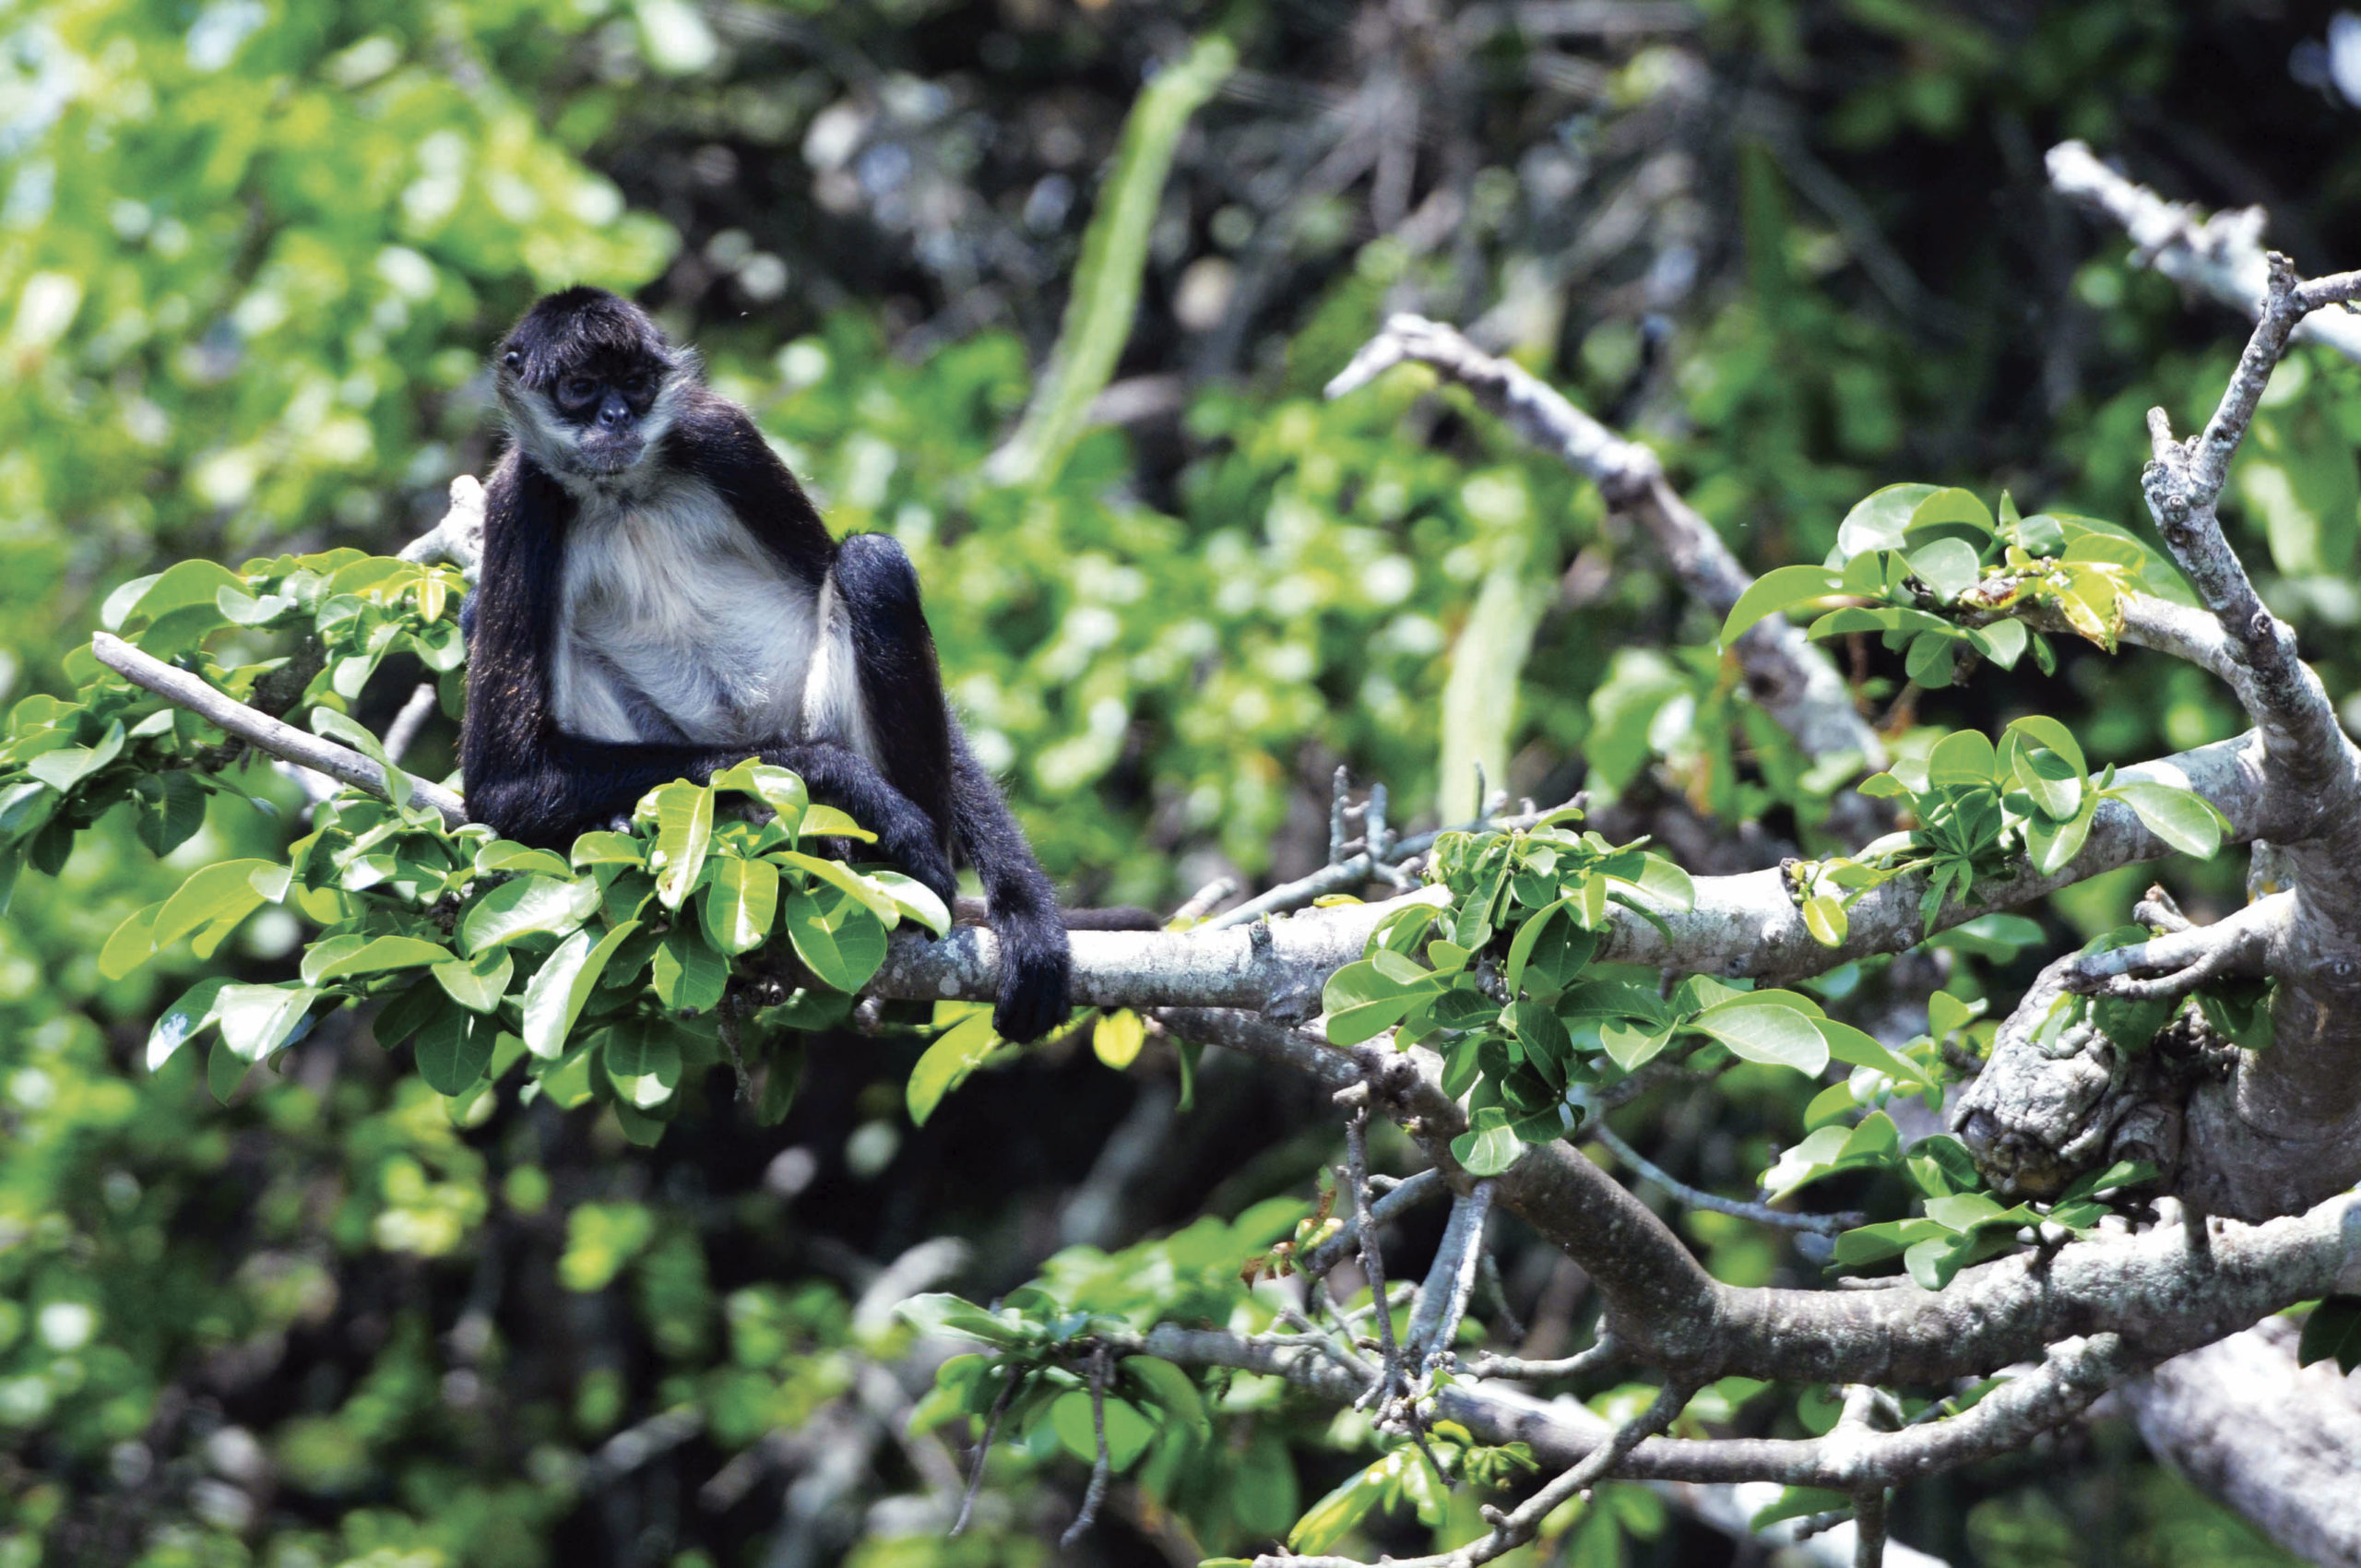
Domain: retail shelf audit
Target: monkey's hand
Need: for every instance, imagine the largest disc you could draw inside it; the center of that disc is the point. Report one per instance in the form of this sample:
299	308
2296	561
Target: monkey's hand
1036	973
907	839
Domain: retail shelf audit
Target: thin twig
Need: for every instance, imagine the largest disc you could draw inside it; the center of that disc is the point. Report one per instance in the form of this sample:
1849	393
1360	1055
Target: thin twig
1697	1197
262	731
1604	1353
1442	1300
1372	1260
1405	1195
1362	868
1204	901
983	1450
1099	1467
409	721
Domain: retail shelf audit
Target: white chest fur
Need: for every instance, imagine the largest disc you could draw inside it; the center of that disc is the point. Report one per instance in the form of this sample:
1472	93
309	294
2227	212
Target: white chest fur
676	627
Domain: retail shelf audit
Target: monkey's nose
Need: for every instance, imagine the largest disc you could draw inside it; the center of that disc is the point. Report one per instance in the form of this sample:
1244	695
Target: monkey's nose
614	414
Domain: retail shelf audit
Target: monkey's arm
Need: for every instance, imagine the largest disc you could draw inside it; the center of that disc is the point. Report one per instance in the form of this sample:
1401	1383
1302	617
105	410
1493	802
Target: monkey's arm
1020	903
925	758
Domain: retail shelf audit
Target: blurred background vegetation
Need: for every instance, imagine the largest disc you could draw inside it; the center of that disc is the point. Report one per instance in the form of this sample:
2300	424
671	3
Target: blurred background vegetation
251	253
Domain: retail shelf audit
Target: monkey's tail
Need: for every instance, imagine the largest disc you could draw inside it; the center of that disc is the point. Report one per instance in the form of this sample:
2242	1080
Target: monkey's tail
971	911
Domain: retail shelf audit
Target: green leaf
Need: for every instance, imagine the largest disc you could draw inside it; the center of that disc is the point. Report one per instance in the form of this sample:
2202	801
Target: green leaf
827	822
2003	642
502	854
171	808
1962	758
777	788
257	1019
384	953
688	975
453	1050
1772	591
1362	1002
1490	1146
837	936
1631	1046
1858	1047
554	997
2333	1329
2053	845
131	945
641	1048
2043	730
526	907
913	899
1118	1036
1948	566
1326	1523
64	768
1173	1391
936	1314
2182	818
1103	300
182	1020
476	984
1825	918
956	1052
604	848
1952	505
1779	1037
837	874
1933	660
1128	1431
1934	1262
1940	1165
1881	521
177	588
741	903
684	832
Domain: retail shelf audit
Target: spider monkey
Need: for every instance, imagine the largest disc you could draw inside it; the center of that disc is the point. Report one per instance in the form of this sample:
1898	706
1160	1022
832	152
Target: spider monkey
659	600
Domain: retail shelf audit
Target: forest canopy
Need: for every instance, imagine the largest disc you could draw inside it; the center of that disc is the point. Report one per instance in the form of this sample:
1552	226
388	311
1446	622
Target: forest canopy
1718	633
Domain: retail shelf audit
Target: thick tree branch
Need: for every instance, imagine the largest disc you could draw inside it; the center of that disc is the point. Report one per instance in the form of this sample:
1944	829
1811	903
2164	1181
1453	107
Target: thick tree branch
2162	1296
274	736
2280	1443
1791	678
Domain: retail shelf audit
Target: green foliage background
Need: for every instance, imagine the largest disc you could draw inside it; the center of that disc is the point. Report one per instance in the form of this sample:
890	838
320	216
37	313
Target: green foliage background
250	255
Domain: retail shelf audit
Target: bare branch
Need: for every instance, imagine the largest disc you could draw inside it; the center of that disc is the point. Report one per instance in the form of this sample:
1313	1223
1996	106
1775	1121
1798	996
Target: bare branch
409	721
1099	1467
2280	1443
1391	1381
2179	962
1451	1279
1604	1353
1791	678
1408	1195
2221	256
1697	1197
259	730
458	537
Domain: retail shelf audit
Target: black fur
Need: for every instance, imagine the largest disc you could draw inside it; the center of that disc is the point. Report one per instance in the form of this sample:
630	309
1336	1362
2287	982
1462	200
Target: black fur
925	798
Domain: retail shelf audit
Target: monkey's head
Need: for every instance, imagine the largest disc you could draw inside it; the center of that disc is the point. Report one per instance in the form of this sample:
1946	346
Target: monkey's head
589	384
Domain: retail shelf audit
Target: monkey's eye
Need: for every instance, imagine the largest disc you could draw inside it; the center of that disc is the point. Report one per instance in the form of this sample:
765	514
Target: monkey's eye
636	383
576	389
512	359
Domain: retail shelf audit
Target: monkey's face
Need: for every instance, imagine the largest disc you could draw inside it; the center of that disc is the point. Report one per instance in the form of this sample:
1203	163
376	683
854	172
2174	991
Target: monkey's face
589	384
597	408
